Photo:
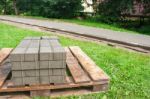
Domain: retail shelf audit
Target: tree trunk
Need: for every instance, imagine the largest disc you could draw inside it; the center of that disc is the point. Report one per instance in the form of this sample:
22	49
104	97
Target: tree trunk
5	7
15	7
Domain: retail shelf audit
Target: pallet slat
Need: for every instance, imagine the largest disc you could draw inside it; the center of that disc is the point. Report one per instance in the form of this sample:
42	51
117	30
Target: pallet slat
75	69
4	52
4	68
90	67
4	72
45	87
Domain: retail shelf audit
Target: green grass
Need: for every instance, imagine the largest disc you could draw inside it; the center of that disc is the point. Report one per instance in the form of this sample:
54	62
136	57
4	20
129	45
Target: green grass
129	71
145	29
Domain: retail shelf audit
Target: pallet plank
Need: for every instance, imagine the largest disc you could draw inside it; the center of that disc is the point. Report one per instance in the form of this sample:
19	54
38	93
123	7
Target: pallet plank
96	73
75	69
4	72
4	52
46	87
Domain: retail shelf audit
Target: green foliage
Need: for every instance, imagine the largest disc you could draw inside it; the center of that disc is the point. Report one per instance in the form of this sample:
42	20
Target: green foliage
114	7
6	7
50	8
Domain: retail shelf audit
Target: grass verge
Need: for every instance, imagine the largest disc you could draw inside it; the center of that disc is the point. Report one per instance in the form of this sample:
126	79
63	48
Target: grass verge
129	71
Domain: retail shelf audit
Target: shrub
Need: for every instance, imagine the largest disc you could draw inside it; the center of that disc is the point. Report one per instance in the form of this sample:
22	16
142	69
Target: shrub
50	8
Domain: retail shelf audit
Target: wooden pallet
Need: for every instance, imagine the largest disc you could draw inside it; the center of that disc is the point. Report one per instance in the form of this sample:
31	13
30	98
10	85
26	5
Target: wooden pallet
84	74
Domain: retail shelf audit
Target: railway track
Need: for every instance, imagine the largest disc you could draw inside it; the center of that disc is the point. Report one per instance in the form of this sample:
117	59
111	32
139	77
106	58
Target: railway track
134	47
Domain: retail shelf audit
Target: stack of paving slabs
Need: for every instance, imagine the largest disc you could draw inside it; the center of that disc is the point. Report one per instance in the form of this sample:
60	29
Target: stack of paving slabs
38	60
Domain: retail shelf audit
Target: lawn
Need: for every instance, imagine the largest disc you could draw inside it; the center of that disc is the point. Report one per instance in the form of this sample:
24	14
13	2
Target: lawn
144	29
129	71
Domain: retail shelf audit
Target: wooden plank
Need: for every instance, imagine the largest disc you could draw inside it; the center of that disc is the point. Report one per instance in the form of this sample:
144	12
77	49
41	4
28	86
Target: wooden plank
36	93
96	73
46	87
75	69
101	87
4	52
4	72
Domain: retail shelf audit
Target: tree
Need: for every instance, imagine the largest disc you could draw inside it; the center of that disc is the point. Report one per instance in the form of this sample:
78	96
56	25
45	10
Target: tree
15	7
6	7
50	8
117	7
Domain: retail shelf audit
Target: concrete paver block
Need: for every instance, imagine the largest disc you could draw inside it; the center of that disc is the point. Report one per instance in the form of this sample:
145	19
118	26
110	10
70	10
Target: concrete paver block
39	60
44	80
31	80
57	64
16	66
46	53
17	81
44	64
44	72
50	72
24	44
30	73
57	79
44	43
58	72
17	54
30	65
55	43
34	44
16	73
32	54
59	53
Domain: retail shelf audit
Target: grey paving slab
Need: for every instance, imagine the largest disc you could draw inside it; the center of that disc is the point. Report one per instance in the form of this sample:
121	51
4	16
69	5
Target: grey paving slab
31	54
24	44
57	64
50	72
59	72
44	80
44	64
34	43
44	72
16	73
57	79
46	53
59	53
17	81
30	65
55	43
17	54
16	66
44	43
124	37
31	80
30	73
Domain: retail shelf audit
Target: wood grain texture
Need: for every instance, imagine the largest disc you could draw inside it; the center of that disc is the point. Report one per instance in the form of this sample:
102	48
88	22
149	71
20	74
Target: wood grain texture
4	52
46	87
75	69
95	72
4	72
5	67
